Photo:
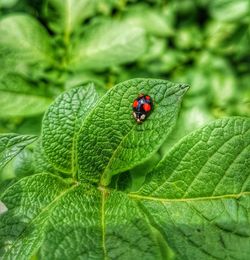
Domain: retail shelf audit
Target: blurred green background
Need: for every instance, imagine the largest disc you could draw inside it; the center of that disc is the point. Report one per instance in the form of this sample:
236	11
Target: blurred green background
47	47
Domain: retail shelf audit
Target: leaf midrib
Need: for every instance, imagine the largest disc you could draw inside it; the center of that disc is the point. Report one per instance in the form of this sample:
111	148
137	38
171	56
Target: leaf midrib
103	226
165	200
68	19
106	169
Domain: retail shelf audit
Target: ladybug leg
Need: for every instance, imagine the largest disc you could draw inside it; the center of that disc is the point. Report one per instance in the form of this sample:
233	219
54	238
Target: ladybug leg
133	115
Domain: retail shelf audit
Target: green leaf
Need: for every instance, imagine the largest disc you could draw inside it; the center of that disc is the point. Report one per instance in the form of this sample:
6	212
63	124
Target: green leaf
199	194
20	98
54	219
90	226
229	10
7	3
61	126
11	145
155	22
65	16
24	42
110	140
5	184
107	44
26	200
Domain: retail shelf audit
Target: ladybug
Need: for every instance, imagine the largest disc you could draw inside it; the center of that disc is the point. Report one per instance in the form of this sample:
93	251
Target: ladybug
142	107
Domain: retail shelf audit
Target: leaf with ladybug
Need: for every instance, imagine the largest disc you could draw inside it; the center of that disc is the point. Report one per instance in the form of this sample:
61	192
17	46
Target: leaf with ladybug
187	199
110	140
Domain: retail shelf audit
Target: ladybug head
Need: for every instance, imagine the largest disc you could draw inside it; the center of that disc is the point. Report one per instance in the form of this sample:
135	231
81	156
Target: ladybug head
139	117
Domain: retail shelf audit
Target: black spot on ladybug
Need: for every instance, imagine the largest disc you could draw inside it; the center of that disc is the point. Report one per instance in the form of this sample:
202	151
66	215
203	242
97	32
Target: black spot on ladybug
142	106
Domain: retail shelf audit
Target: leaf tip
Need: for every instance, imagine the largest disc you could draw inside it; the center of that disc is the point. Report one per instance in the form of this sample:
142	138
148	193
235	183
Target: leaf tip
184	86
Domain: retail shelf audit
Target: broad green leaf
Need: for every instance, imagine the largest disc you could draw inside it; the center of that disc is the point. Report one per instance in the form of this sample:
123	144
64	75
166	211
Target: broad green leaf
107	44
229	10
26	200
7	3
152	20
58	220
110	141
20	98
65	15
61	126
23	42
199	194
11	145
19	104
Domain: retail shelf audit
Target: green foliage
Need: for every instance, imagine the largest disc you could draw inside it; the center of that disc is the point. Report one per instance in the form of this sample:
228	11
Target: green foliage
97	185
66	16
25	43
195	200
7	3
229	10
107	44
54	45
18	97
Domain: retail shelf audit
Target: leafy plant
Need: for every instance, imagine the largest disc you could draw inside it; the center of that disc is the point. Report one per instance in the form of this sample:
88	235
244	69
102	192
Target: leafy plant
49	46
79	178
194	201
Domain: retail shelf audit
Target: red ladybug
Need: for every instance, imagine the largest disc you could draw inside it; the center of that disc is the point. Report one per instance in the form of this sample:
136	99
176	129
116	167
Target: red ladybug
142	107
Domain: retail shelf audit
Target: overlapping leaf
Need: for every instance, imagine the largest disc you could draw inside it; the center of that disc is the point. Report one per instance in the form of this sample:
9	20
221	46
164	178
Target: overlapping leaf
23	42
199	195
61	126
20	98
11	145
